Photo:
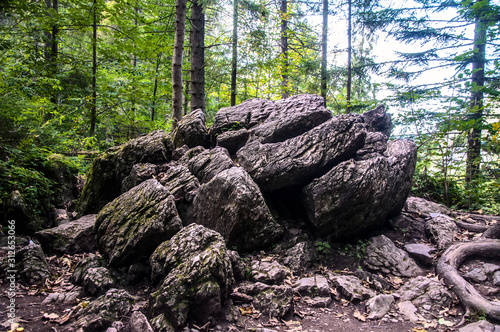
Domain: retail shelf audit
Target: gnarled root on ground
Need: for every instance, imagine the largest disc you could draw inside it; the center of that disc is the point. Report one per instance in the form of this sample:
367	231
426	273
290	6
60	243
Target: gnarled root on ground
447	269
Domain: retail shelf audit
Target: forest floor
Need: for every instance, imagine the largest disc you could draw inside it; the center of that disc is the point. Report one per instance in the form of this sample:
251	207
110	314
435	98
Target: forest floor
340	315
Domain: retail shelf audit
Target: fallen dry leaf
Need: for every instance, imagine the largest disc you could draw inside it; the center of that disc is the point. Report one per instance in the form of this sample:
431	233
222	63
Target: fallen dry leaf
246	311
52	316
358	315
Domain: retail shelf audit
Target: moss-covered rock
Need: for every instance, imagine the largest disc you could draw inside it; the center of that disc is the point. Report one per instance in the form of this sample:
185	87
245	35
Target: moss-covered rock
104	179
103	311
134	224
196	272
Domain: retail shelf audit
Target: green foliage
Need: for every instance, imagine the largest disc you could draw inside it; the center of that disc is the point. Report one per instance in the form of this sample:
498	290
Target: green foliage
356	250
323	247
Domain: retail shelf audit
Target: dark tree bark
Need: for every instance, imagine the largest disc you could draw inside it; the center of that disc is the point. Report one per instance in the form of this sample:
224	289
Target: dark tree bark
93	111
234	59
51	46
324	44
180	30
349	57
476	105
155	87
284	49
197	57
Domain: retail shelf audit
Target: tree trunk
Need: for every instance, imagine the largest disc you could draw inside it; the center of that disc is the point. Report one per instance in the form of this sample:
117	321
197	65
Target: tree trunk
51	46
93	112
284	49
324	44
476	105
234	59
180	29
155	88
349	56
197	57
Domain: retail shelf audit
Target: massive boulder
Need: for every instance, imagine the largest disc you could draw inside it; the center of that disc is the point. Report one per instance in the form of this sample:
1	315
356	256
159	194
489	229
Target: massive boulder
197	275
134	224
232	204
267	121
104	180
297	160
191	130
357	195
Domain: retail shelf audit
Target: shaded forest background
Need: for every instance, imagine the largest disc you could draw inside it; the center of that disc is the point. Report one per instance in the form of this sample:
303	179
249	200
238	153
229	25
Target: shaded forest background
80	76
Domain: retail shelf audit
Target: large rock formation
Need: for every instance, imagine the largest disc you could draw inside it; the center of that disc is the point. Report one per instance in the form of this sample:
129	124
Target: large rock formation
296	162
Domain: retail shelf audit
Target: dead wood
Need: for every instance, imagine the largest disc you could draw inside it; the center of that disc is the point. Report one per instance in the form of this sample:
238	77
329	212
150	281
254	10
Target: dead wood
447	269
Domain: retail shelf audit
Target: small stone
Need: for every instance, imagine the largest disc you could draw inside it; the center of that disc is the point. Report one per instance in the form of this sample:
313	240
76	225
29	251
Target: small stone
480	326
426	307
496	278
239	298
421	252
271	273
316	285
408	310
382	255
476	275
489	268
97	281
379	305
317	302
352	288
139	323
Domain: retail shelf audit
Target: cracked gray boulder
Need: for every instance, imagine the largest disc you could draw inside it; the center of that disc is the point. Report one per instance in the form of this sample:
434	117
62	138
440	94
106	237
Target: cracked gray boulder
182	185
191	130
267	121
357	195
104	179
299	159
232	204
382	255
139	173
71	238
207	164
196	275
134	224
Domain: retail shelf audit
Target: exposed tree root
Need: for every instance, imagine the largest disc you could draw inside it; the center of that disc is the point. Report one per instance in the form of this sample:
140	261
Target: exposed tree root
475	228
447	269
